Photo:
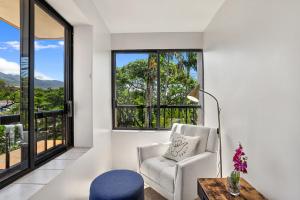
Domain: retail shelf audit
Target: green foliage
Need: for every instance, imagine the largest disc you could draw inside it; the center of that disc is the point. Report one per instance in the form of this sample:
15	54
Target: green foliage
136	84
17	134
131	83
175	80
9	97
44	99
2	139
235	178
49	99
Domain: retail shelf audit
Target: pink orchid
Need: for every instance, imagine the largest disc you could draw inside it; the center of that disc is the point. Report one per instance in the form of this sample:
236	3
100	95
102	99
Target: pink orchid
240	160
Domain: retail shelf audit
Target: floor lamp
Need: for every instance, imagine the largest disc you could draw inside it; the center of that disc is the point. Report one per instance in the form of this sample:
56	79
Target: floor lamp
194	96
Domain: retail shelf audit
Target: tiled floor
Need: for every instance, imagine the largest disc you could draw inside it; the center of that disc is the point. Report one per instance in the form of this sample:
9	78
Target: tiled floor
28	185
74	182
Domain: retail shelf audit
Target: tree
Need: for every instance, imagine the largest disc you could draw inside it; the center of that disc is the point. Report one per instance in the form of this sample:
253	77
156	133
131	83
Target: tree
150	78
8	94
2	139
136	84
48	99
44	99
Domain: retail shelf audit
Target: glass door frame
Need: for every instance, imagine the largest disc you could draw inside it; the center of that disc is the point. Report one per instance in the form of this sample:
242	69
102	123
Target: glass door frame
68	82
27	115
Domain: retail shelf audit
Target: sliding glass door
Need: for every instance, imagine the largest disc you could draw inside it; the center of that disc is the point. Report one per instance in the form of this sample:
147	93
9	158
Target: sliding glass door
49	78
36	86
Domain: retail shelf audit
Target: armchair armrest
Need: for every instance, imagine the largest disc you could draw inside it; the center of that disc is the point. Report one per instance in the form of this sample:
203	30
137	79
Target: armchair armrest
149	151
189	170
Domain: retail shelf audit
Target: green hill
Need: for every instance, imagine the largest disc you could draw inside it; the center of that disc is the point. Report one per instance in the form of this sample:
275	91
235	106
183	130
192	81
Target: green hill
14	80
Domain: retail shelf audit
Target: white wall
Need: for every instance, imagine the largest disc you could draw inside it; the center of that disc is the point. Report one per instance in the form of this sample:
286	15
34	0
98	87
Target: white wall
102	118
252	64
83	63
94	93
121	41
101	70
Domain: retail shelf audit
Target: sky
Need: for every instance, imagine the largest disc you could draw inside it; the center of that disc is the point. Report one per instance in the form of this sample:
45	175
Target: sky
123	59
49	55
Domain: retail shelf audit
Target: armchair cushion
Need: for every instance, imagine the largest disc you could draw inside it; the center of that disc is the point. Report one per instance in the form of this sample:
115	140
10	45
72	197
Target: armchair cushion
160	170
200	131
176	128
181	147
212	141
150	151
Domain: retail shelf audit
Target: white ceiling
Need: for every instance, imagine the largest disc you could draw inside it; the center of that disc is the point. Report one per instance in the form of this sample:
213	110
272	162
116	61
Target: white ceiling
70	11
136	16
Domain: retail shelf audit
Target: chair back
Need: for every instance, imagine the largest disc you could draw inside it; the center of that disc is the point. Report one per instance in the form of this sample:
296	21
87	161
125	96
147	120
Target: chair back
208	136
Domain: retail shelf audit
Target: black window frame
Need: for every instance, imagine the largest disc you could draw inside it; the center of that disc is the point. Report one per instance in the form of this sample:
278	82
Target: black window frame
27	13
157	51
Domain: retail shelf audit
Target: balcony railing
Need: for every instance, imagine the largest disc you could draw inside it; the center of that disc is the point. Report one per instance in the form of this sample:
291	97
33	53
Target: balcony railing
145	117
48	134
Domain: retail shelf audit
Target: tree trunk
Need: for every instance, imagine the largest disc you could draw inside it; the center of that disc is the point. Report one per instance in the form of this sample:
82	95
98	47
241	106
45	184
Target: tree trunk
149	89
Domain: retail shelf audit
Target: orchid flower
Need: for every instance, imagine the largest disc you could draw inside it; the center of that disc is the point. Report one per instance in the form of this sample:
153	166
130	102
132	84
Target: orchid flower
240	160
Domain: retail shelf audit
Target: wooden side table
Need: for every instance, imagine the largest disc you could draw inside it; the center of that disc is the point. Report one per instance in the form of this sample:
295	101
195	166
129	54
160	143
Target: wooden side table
216	189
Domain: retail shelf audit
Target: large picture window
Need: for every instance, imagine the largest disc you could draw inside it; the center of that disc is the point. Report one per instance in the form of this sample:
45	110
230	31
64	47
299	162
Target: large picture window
150	88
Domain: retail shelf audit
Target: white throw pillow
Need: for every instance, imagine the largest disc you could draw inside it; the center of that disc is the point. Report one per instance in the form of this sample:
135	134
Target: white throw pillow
181	147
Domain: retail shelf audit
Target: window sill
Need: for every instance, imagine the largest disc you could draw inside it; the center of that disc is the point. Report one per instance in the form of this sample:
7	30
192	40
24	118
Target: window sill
120	131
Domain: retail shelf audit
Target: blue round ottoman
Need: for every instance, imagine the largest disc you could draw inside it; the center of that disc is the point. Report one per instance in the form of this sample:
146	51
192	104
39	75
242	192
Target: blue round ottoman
117	185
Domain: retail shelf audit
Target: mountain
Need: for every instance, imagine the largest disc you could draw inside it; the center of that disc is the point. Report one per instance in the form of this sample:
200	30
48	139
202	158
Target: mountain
44	84
14	80
10	79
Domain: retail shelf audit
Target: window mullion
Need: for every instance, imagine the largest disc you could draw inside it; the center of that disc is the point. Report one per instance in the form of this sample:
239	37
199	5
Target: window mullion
158	91
26	74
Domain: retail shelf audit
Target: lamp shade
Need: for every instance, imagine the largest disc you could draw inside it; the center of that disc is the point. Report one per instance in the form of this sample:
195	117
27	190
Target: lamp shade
194	94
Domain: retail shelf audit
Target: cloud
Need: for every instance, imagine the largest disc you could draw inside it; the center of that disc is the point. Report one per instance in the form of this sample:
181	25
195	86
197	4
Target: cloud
15	45
41	76
12	44
39	46
8	67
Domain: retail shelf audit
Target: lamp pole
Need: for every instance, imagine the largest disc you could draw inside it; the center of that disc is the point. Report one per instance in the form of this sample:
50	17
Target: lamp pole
194	96
218	130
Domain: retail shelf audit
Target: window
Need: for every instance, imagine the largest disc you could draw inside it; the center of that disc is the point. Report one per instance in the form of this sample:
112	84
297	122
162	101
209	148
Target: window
10	37
49	94
149	88
36	86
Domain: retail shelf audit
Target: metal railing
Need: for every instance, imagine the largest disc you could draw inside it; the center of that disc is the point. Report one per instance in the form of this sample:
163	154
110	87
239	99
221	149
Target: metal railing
48	125
146	117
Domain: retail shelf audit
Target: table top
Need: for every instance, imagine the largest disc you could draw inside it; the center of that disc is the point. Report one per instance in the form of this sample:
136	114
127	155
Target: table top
216	189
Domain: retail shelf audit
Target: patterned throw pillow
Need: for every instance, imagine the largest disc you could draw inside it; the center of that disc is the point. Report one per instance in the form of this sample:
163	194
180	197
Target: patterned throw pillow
181	147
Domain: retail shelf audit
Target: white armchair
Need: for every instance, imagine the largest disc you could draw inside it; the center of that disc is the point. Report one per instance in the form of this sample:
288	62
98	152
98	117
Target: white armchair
178	180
